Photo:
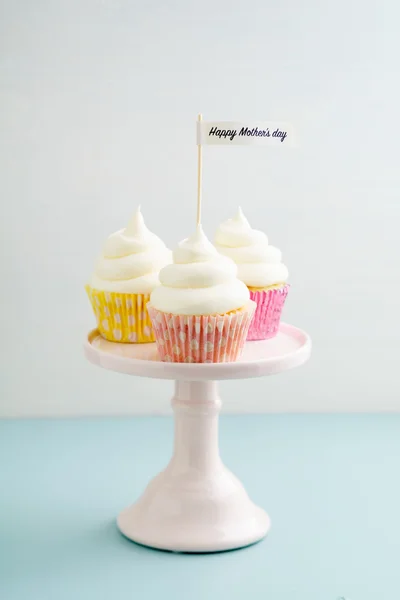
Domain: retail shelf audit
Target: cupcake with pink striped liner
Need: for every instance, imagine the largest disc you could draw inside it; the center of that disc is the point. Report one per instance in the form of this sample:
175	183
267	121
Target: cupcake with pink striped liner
267	317
260	267
201	312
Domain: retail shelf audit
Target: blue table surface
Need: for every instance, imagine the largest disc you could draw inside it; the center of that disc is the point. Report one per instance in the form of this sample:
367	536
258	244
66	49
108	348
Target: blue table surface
331	485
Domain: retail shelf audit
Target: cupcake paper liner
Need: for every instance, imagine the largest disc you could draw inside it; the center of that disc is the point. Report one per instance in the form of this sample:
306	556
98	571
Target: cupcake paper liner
122	317
201	339
265	323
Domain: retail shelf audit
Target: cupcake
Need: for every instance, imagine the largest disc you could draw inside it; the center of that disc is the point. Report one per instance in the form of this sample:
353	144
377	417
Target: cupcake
125	275
260	267
201	312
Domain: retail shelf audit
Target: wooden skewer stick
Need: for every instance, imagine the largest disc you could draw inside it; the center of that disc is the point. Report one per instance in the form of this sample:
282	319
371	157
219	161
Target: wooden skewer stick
199	176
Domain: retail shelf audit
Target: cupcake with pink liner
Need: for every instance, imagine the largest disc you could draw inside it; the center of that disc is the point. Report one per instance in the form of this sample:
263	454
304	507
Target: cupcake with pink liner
201	312
260	267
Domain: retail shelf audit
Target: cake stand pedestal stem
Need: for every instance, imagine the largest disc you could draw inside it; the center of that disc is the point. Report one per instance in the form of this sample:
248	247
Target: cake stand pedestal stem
196	504
196	406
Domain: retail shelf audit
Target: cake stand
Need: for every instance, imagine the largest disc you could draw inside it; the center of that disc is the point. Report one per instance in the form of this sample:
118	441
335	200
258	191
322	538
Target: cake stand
196	504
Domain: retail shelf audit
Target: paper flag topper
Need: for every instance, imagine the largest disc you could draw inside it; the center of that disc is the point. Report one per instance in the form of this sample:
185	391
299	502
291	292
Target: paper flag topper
233	133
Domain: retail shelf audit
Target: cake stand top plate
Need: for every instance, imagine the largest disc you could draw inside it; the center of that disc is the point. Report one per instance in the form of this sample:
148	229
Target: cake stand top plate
290	348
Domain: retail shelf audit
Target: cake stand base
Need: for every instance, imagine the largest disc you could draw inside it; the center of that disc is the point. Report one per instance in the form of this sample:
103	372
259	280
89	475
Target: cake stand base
169	517
195	504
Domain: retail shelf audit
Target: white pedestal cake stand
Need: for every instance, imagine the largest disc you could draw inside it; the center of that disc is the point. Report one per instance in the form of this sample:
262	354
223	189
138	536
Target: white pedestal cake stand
196	504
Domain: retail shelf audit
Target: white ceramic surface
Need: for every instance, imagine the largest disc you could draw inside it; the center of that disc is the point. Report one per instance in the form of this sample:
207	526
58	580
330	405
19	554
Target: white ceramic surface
196	504
289	349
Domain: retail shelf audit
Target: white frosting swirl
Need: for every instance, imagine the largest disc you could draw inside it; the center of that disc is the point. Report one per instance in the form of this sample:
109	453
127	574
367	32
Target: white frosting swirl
131	260
200	281
259	264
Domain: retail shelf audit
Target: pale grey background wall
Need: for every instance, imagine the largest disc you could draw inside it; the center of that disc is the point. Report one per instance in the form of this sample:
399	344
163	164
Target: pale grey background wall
98	103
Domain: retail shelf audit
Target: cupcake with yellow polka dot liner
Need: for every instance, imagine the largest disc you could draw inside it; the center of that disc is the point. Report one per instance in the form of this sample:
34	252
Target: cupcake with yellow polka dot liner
201	312
125	275
260	267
